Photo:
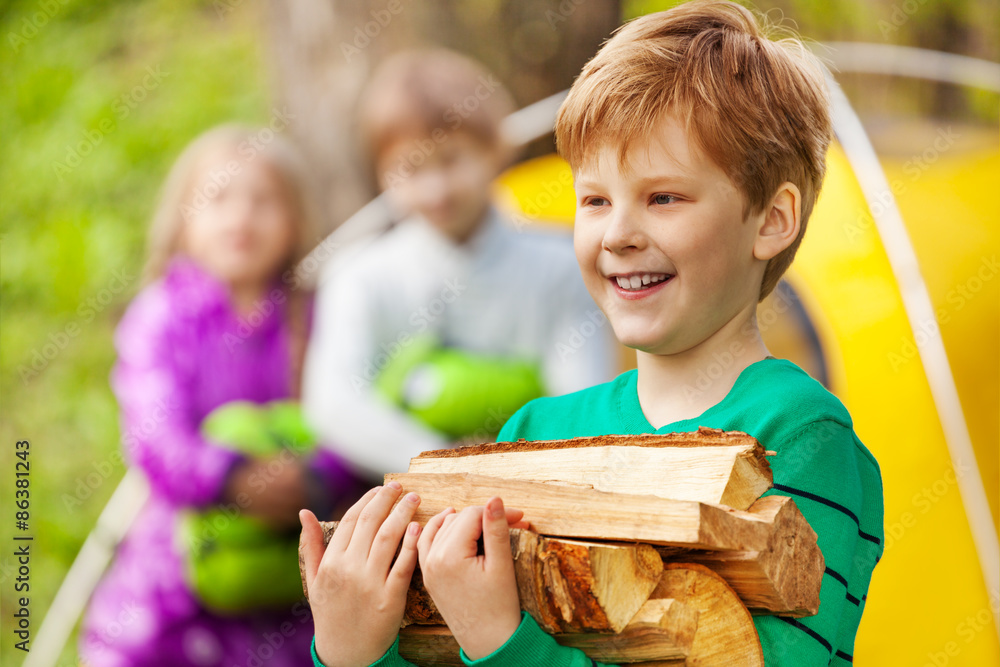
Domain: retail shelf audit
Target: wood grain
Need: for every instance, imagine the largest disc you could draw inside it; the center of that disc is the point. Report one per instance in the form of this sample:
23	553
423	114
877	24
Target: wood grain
708	465
726	634
560	510
785	576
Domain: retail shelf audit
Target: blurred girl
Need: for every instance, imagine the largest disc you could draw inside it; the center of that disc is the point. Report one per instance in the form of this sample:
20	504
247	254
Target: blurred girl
215	323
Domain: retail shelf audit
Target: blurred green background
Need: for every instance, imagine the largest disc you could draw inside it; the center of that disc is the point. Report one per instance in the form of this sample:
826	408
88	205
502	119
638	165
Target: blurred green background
98	98
66	235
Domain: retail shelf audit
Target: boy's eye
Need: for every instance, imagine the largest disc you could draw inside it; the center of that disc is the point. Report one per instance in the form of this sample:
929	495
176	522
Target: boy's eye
595	201
664	200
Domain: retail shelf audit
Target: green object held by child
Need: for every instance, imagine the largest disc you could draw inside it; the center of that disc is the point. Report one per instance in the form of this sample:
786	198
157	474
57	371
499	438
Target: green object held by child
234	562
458	393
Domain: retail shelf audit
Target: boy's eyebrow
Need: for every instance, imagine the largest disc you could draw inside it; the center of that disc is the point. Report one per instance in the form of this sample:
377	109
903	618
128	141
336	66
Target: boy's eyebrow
645	181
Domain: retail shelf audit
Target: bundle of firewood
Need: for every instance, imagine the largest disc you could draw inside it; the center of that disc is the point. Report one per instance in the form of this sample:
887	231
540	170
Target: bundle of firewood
652	549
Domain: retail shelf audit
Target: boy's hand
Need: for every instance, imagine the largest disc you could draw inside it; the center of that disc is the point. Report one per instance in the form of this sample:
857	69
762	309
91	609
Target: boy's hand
356	592
476	595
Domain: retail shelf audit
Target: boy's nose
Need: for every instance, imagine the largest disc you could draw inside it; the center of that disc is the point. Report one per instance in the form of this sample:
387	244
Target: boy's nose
623	232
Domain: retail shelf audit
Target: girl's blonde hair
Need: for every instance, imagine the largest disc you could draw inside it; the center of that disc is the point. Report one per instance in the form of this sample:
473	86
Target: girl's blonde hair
246	144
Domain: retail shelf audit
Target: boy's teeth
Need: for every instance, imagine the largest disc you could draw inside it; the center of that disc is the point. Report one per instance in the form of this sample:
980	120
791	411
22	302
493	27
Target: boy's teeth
638	282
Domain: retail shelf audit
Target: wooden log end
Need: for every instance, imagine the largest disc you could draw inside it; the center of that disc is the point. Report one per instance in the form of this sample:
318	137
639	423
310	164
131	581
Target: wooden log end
726	634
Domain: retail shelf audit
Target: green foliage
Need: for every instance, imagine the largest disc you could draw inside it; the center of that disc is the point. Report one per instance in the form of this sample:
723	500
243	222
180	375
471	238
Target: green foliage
98	100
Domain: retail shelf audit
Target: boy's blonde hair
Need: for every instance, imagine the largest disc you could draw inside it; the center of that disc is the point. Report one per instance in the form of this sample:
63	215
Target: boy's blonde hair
757	106
244	144
415	93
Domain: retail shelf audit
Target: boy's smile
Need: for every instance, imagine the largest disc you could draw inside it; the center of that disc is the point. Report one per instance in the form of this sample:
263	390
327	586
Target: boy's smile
662	243
639	284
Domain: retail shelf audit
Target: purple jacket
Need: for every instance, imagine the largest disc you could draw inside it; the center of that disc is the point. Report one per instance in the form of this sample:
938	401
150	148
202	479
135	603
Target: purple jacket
182	352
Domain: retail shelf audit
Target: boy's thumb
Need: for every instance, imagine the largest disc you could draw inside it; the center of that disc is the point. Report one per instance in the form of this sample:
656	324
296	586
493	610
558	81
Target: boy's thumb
496	535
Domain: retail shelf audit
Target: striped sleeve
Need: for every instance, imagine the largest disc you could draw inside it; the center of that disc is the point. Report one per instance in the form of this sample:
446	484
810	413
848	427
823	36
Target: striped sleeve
836	484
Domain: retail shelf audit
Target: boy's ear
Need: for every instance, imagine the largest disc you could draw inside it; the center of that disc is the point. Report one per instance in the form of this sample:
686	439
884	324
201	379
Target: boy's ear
780	224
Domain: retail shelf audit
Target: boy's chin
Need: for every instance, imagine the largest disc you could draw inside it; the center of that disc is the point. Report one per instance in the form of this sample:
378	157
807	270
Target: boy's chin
659	340
640	340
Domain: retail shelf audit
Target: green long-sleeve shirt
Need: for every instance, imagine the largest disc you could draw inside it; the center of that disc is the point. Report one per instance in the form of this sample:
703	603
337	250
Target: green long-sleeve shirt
820	463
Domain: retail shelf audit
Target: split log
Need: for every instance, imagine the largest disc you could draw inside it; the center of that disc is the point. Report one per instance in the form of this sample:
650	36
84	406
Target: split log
561	510
709	465
565	585
569	585
769	554
662	630
785	576
726	634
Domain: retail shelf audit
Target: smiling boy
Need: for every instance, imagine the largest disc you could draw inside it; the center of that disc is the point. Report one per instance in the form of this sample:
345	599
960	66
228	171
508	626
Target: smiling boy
698	150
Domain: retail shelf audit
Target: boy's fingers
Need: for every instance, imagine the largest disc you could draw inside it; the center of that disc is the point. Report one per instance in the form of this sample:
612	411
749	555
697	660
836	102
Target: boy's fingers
496	533
430	530
463	530
388	536
311	541
402	569
342	536
514	516
371	517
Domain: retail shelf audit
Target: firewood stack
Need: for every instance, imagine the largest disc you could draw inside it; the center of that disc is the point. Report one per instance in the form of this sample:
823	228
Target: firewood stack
649	549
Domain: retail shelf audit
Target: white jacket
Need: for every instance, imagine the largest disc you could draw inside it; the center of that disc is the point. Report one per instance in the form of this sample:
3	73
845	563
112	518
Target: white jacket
504	291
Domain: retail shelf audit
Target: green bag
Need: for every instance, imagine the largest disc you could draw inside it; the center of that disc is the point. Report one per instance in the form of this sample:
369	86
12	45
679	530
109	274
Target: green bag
458	393
233	562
